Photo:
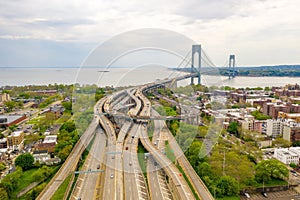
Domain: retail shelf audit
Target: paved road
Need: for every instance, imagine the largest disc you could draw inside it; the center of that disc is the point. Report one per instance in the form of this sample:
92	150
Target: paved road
109	189
135	186
86	183
158	187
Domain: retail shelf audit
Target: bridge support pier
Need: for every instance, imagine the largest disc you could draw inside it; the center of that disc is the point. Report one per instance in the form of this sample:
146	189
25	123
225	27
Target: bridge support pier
196	49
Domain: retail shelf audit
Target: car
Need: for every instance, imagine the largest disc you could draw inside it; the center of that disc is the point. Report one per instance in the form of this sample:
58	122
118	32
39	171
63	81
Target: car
247	195
293	171
98	166
112	176
130	163
113	157
126	148
264	194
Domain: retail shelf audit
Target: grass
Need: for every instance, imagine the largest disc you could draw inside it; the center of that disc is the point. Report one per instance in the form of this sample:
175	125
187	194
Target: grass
188	181
150	129
35	120
273	182
169	152
27	179
65	117
141	157
59	194
142	161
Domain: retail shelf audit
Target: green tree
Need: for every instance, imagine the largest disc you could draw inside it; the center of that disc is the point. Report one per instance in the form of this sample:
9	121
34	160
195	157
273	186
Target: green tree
228	186
10	181
3	194
280	142
236	165
10	105
25	161
268	169
64	153
69	126
67	106
2	166
233	128
293	165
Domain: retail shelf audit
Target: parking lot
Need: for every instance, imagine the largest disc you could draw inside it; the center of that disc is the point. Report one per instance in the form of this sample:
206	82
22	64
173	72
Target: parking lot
281	195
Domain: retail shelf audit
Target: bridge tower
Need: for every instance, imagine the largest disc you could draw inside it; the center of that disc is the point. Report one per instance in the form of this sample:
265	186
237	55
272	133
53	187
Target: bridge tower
231	72
196	49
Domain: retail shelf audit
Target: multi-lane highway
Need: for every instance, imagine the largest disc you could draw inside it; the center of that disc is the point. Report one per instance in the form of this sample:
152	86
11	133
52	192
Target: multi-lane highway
115	152
85	186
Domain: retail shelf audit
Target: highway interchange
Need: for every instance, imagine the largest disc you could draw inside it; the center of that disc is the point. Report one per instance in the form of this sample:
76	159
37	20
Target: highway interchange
112	170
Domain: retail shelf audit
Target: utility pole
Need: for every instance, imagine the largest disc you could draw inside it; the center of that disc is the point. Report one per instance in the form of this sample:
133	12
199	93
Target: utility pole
224	160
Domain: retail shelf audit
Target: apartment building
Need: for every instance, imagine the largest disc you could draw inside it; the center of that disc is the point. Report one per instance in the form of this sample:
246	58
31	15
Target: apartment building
15	140
288	155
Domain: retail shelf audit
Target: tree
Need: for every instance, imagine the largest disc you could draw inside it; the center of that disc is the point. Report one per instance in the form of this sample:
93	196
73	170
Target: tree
64	153
280	142
228	186
25	161
293	165
68	106
2	166
69	126
236	165
268	169
3	194
233	128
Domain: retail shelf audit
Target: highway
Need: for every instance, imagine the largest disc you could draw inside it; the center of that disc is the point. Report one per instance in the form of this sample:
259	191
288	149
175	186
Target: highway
70	164
199	186
85	186
110	181
117	151
183	190
158	187
135	185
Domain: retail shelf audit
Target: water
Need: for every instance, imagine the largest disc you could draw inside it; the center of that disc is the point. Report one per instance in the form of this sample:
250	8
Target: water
123	77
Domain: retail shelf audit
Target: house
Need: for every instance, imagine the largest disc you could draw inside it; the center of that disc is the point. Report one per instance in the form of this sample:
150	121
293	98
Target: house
41	156
50	147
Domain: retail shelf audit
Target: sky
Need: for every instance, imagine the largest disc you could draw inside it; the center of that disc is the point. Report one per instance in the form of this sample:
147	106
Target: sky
36	33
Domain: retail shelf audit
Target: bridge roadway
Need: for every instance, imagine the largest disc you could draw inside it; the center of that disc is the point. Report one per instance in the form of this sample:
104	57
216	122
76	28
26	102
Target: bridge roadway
86	183
70	164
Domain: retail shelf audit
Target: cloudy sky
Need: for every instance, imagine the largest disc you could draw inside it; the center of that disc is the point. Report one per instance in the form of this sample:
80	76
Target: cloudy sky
36	33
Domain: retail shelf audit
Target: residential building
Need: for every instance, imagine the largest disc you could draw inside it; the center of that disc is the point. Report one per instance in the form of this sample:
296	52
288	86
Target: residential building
3	145
4	97
41	156
288	155
274	128
15	140
50	139
50	147
291	132
293	116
